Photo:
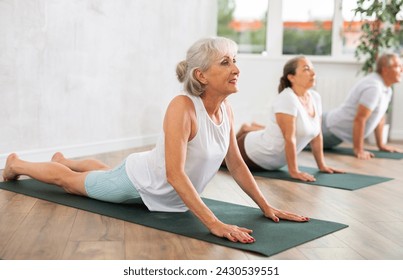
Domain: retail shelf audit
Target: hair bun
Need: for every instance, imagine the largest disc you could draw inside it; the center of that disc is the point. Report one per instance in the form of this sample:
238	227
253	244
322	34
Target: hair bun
181	70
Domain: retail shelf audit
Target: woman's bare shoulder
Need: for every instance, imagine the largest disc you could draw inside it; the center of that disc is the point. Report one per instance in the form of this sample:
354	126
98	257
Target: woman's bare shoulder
180	106
181	101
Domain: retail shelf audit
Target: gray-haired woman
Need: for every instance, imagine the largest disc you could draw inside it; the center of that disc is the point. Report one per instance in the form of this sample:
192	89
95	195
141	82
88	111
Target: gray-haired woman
197	135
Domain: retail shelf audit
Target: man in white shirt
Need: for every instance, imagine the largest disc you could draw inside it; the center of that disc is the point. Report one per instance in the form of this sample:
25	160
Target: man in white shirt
363	111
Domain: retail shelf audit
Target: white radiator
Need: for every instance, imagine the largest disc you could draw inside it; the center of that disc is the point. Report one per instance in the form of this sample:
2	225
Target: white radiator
333	90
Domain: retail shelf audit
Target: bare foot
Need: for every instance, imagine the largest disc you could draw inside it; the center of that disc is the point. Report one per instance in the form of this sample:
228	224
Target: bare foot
8	173
246	128
257	126
58	157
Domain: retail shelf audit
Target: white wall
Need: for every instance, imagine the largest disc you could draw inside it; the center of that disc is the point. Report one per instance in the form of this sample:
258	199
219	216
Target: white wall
260	76
91	76
259	79
397	121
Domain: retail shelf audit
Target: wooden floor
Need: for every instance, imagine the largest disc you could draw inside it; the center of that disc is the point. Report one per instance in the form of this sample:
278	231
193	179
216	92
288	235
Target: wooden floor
34	229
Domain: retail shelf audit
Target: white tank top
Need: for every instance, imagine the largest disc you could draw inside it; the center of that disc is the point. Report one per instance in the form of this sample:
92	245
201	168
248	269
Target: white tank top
205	153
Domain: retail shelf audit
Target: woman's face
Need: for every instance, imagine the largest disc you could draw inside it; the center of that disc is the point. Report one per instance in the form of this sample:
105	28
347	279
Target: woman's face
304	75
222	76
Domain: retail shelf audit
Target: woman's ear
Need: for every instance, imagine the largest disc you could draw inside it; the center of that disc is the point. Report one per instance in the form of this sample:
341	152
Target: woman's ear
290	77
198	74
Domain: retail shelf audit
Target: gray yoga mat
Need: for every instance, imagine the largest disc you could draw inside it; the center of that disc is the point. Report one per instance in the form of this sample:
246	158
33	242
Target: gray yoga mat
271	238
377	153
345	181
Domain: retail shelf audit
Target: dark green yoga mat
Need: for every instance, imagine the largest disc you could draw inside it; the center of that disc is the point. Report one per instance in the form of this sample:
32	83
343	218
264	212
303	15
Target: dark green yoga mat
271	238
345	181
378	154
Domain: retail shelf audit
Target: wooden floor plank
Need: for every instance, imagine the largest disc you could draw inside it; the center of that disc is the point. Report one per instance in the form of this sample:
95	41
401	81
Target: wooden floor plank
35	229
43	234
94	250
93	227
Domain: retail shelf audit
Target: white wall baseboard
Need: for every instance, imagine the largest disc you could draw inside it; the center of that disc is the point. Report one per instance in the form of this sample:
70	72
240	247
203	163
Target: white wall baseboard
88	149
104	147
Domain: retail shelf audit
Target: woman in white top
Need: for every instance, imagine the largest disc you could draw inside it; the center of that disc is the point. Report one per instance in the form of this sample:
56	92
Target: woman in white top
294	122
197	135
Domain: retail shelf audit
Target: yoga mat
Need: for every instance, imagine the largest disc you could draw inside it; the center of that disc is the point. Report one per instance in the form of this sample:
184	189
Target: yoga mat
345	181
377	153
271	238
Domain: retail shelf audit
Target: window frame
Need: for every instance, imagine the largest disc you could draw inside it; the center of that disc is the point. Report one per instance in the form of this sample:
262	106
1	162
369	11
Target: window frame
274	36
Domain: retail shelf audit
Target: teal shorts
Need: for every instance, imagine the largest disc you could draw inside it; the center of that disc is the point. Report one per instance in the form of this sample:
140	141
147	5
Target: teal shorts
111	186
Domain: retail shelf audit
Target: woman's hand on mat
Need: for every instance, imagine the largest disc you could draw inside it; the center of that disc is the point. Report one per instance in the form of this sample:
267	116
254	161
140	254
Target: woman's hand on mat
303	176
276	215
232	232
363	154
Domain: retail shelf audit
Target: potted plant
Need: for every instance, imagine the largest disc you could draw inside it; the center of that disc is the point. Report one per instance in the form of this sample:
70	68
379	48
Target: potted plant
380	30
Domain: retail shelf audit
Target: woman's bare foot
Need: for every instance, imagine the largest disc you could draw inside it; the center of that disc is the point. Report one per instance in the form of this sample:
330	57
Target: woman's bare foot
246	128
257	126
58	157
8	173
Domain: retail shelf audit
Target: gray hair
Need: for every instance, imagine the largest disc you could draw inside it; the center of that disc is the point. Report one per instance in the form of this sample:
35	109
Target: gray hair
385	60
201	56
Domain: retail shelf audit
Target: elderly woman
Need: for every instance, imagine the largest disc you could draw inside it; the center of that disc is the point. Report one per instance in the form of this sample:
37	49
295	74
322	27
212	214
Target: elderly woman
197	135
294	122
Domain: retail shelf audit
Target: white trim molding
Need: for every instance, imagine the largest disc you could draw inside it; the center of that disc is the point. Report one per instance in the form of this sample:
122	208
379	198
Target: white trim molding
87	149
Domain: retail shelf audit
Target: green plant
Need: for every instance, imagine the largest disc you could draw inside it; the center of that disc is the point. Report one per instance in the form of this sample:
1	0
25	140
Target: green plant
309	42
380	30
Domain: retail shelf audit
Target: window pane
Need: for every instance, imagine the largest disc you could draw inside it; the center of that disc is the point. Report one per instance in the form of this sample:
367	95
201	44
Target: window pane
399	29
244	21
351	27
307	27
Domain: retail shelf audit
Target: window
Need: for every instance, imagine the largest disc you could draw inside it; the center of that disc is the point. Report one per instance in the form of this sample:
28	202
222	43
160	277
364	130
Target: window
399	18
281	27
351	27
244	21
307	26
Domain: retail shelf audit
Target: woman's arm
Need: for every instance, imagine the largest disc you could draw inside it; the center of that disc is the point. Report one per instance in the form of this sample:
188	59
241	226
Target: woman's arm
317	151
287	125
246	181
180	126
